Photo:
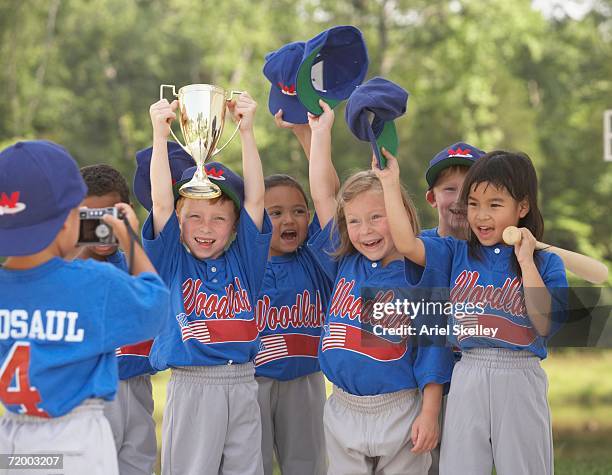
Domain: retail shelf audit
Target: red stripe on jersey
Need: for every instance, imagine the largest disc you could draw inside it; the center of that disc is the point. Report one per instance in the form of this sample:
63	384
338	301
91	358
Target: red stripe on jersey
507	330
139	349
276	347
220	331
355	339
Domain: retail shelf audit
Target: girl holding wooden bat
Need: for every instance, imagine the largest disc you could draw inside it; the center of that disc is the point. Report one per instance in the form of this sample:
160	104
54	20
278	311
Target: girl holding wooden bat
497	412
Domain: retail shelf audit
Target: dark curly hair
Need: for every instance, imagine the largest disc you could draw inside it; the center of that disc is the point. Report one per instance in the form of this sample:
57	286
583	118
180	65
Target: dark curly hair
103	179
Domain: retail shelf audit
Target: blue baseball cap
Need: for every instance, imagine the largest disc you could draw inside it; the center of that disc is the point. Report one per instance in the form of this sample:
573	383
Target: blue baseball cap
370	113
231	184
281	70
459	153
179	161
40	183
335	62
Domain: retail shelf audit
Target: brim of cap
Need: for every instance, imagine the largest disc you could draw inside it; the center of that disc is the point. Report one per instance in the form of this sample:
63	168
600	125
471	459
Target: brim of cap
387	139
293	110
142	189
306	92
432	173
224	189
30	239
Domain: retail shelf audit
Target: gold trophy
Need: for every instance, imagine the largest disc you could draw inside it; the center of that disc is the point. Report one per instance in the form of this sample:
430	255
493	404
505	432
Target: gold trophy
201	117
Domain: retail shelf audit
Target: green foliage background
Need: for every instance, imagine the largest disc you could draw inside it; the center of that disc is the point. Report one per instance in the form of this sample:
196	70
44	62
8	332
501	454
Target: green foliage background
495	73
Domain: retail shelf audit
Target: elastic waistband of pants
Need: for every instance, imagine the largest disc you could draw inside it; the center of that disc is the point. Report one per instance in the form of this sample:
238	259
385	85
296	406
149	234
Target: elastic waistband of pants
87	406
375	404
500	358
220	374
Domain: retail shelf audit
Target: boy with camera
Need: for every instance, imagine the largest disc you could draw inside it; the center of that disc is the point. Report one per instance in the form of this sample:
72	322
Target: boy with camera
131	413
61	320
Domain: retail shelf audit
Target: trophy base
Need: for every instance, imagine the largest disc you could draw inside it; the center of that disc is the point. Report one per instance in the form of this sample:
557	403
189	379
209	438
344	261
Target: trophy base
200	192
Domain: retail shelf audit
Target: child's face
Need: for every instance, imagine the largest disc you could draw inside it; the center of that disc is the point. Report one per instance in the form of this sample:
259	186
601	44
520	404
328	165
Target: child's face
104	201
207	227
490	210
368	230
444	197
289	215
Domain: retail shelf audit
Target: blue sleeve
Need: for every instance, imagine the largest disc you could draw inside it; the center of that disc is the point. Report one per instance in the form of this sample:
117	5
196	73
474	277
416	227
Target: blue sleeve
314	227
433	364
134	308
439	254
554	277
163	249
252	248
322	245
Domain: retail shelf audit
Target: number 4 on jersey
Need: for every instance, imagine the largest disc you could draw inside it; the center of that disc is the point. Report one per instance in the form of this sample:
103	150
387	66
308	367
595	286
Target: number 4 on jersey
16	367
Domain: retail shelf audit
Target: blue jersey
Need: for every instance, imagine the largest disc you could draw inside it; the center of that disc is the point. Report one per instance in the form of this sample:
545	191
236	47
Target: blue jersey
433	232
212	317
496	315
60	324
290	312
354	357
133	359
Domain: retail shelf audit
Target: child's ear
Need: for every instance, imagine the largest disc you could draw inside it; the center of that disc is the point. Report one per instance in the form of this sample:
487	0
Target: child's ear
430	196
523	208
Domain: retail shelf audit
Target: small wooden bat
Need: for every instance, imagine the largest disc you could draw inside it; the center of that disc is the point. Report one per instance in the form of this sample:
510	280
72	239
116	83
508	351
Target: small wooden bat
583	266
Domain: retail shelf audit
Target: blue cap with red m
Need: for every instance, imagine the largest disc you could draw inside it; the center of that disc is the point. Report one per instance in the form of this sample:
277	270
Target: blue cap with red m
40	183
281	70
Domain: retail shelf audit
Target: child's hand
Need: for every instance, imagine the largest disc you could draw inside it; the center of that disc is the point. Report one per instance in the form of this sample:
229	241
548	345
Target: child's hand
323	122
298	129
525	248
425	432
162	114
390	175
119	227
243	109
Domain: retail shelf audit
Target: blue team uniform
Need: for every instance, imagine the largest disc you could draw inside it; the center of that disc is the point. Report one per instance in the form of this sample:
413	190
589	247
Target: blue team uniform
133	360
60	324
492	282
432	232
351	356
290	313
211	319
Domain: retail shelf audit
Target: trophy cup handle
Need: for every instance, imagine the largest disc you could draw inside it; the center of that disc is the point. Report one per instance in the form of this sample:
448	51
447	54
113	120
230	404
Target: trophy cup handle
161	96
217	150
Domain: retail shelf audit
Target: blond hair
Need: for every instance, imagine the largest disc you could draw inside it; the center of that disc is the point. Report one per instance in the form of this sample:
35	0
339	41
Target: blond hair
356	184
180	202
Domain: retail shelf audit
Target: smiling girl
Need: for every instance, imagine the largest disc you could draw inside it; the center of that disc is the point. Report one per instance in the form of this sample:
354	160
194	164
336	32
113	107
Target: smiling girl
383	414
497	412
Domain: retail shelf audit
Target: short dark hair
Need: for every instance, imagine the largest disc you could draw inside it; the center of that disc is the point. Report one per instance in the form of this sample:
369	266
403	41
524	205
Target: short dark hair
102	179
280	179
515	172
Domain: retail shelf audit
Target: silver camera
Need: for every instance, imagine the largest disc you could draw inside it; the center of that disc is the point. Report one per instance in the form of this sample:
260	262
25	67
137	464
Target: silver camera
92	230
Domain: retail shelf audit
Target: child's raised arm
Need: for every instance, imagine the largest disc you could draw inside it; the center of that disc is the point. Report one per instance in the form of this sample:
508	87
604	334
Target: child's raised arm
400	226
162	114
321	172
304	136
244	109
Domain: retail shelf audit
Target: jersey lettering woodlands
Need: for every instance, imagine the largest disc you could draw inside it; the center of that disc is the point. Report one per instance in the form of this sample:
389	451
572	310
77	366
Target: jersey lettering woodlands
345	304
235	300
303	313
508	298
